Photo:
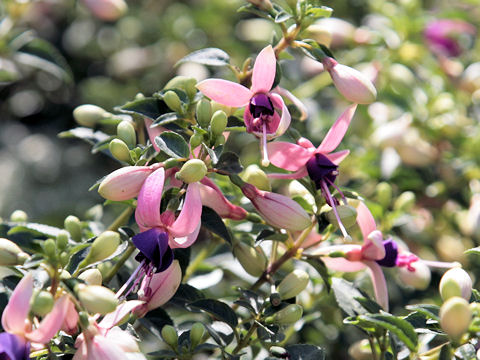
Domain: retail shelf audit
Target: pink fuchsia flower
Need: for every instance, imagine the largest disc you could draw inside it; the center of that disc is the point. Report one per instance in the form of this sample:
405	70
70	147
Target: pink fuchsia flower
108	10
213	198
320	164
443	36
261	105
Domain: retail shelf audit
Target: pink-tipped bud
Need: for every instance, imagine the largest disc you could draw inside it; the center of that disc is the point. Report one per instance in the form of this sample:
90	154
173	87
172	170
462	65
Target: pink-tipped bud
351	83
419	278
278	210
108	10
124	183
159	288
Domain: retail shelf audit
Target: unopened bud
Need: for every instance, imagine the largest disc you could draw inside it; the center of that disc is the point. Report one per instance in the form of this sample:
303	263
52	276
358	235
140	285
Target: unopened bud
252	259
319	33
62	239
196	140
419	278
50	248
347	214
384	194
42	303
11	254
220	140
170	336
184	83
455	282
455	316
64	275
64	258
73	225
173	101
204	113
124	183
219	123
293	284
96	299
103	246
91	277
126	132
89	115
192	171
226	109
257	177
19	216
107	10
288	315
405	201
351	83
279	352
196	334
119	150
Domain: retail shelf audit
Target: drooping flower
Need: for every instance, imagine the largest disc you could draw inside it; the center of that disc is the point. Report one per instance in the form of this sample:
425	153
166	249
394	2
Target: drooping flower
261	104
443	36
320	163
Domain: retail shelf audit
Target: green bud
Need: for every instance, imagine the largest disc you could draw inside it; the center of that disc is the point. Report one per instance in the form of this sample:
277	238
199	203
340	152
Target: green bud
455	282
126	132
257	177
170	336
288	315
196	140
185	83
91	277
204	113
347	214
219	123
196	334
220	140
384	194
64	275
278	351
19	216
252	259
455	317
42	303
50	248
170	163
11	254
293	284
64	258
89	115
173	101
73	225
62	239
96	299
104	268
405	201
103	246
119	150
217	106
193	170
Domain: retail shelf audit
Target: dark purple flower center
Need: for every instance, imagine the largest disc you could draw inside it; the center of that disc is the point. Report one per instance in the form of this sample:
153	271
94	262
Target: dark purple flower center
154	248
261	106
391	254
320	168
13	347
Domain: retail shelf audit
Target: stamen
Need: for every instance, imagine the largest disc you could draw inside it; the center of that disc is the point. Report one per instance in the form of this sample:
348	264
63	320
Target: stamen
130	279
265	161
334	208
344	199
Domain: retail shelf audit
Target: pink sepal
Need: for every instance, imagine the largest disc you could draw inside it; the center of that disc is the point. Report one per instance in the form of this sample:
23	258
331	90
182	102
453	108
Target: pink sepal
148	206
185	241
225	92
365	220
264	71
379	283
337	131
337	157
190	214
52	323
288	156
213	197
113	318
285	119
15	314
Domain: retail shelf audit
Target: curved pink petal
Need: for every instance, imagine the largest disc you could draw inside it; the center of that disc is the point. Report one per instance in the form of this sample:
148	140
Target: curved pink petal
52	323
185	241
190	215
365	220
112	319
342	264
379	283
373	248
264	71
148	205
338	156
153	132
288	156
286	117
225	92
70	323
102	348
300	173
16	312
337	131
213	197
125	342
163	285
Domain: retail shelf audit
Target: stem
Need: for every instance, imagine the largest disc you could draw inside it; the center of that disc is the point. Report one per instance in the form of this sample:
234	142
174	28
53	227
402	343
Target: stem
121	219
372	348
202	255
119	264
140	129
246	339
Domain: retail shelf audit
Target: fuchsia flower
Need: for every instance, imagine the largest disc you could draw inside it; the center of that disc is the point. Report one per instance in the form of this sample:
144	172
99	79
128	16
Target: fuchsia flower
320	163
261	104
443	35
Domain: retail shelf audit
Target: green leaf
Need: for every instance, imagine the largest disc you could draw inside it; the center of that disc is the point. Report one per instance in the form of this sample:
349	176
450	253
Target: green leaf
319	12
249	8
370	305
86	134
213	222
268	234
186	294
229	162
166	119
162	354
475	251
282	17
150	107
345	294
322	270
218	310
445	352
173	145
466	352
305	352
207	56
35	229
430	311
316	51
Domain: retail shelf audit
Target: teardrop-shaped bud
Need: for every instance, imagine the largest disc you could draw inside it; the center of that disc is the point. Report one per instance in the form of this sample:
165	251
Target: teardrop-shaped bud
19	216
91	277
288	315
252	259
62	239
11	254
293	284
96	299
192	171
347	214
89	115
257	177
419	278
169	334
405	201
196	334
42	303
173	101
218	123
455	317
204	113
126	133
124	183
455	282
119	150
184	83
73	225
103	246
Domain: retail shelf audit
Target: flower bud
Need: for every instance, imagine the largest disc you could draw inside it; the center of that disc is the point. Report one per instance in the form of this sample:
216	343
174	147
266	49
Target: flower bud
319	33
293	284
173	101
124	183
96	299
119	150
252	259
19	216
11	254
279	352
103	246
89	115
62	239
220	140
42	303
170	336
384	194
455	282
192	171
219	123
64	258
196	140
107	10
351	83
347	213
126	132
50	248
257	177
184	83
418	279
196	334
405	201
226	109
73	225
455	316
204	113
277	210
288	315
91	277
